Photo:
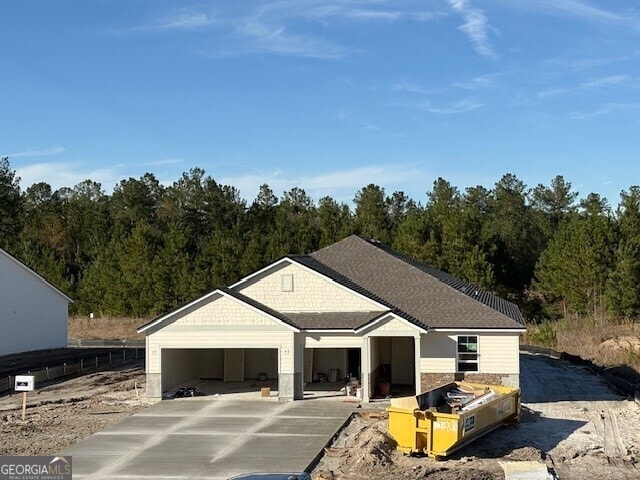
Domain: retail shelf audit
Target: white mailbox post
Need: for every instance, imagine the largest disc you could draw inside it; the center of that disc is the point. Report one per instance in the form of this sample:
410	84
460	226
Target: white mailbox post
24	384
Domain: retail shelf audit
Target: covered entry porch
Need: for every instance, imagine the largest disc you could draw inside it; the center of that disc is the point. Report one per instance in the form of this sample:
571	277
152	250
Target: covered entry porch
385	351
392	356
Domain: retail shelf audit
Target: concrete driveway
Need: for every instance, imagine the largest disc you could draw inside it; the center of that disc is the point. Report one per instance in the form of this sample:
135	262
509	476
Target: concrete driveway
210	438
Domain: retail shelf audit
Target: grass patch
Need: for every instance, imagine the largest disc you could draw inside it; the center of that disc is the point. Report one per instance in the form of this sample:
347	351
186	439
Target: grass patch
603	341
105	328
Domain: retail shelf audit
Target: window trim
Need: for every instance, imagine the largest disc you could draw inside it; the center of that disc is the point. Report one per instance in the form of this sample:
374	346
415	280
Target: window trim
459	361
286	282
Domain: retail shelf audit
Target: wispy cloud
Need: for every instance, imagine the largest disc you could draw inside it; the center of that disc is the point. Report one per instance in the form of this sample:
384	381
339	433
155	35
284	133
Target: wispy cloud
461	106
411	87
476	26
60	175
260	37
45	152
579	9
581	64
339	184
182	19
597	83
479	83
161	162
606	109
356	11
274	28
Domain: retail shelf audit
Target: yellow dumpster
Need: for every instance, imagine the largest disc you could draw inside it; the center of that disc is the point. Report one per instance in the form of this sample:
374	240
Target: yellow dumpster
449	417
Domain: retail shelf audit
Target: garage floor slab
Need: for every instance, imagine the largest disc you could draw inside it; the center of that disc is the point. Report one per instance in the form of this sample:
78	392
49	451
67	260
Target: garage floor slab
211	438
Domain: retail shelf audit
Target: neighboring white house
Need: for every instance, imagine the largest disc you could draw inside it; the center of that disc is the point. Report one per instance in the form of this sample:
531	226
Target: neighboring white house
33	313
355	307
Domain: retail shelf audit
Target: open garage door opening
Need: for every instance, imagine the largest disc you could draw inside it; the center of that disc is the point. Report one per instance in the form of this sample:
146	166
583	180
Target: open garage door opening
220	370
331	371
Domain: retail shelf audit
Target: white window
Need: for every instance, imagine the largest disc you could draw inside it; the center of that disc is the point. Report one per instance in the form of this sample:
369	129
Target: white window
286	282
468	353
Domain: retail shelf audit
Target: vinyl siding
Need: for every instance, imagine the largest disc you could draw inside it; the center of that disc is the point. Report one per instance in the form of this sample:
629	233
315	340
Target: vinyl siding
311	293
437	353
499	352
33	316
221	339
222	323
327	340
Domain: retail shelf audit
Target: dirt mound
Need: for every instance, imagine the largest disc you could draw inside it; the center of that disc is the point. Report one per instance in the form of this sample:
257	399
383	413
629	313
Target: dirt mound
364	450
622	343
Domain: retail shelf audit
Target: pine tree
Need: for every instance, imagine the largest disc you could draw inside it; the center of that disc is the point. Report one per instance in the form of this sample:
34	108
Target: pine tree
623	285
11	207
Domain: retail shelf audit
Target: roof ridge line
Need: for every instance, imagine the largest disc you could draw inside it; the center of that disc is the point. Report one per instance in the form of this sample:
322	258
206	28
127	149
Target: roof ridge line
510	309
348	283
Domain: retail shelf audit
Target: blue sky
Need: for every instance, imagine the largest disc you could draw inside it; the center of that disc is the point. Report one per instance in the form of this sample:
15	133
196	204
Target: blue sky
325	95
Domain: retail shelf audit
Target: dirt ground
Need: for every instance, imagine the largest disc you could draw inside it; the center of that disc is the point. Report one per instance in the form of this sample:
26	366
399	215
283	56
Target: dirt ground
62	414
571	421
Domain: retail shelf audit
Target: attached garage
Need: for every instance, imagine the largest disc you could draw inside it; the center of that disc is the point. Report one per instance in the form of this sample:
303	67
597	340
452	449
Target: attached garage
221	336
194	366
331	364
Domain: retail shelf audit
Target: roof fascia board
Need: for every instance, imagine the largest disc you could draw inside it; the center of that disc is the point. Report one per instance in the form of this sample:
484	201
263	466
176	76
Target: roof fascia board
329	330
310	270
480	329
339	285
159	320
205	297
383	317
35	275
262	312
259	272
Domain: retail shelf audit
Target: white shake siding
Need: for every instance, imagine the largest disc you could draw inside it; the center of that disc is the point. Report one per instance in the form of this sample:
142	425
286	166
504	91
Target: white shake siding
392	327
310	293
223	323
33	315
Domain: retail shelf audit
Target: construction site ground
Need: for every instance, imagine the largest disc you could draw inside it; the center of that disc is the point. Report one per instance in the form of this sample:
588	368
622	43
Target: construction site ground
571	420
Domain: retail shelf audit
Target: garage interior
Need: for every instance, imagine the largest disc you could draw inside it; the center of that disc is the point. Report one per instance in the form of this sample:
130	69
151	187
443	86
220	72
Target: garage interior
328	370
393	362
219	370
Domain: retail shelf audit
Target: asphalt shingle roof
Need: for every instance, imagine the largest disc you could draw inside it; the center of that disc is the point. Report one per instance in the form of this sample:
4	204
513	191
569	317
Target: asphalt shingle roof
332	320
422	294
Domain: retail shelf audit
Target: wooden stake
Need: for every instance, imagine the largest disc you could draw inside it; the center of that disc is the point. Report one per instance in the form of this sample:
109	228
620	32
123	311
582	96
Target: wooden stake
24	404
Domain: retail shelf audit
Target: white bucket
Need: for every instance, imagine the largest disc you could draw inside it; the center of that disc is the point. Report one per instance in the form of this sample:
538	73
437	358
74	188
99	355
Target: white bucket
359	392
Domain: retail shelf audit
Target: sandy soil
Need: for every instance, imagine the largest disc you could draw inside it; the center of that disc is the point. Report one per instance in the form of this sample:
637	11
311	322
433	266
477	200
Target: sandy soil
571	421
62	414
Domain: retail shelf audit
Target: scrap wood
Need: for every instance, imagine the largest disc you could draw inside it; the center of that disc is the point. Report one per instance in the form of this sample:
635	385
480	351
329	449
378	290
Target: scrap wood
369	415
466	388
329	475
334	451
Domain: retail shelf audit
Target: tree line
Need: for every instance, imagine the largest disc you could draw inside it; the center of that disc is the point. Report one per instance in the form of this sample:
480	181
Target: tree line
147	248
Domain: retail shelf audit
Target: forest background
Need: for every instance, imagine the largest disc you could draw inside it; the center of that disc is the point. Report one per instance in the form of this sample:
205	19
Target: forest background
147	248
